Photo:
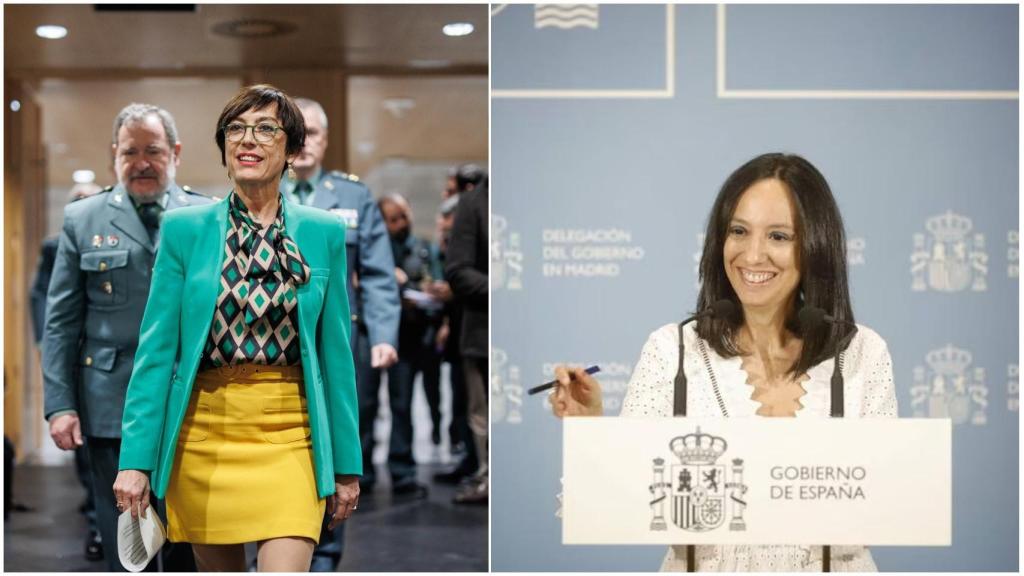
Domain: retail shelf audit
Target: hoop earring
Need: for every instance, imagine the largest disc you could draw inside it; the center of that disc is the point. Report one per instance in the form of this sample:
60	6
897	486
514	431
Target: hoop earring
291	172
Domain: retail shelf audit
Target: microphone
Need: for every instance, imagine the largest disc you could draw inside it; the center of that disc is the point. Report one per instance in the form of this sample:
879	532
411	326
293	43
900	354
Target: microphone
811	317
723	309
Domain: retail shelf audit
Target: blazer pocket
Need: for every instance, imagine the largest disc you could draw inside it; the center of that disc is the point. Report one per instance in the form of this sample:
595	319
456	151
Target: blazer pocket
196	426
105	283
285	419
312	292
98	356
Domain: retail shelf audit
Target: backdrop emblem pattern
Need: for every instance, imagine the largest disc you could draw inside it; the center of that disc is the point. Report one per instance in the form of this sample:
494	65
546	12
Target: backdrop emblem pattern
506	389
948	387
950	258
506	256
566	16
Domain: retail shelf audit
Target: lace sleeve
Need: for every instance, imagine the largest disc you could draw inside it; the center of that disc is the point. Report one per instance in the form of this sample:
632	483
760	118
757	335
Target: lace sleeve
653	376
879	395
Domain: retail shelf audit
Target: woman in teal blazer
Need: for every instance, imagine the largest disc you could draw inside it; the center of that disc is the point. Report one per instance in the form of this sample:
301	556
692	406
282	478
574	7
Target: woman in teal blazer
228	275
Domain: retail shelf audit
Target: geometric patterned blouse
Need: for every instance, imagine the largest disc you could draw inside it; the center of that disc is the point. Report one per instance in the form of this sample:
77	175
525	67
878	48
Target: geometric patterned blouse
256	318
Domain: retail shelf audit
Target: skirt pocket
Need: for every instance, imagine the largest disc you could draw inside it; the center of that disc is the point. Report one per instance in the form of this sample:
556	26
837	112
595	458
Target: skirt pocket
285	419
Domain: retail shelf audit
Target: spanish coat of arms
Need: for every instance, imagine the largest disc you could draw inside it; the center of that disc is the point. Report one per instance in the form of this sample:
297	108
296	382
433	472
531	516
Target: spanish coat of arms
698	491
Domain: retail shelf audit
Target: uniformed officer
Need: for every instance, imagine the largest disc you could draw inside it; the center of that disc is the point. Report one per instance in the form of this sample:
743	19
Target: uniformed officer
47	255
373	292
97	296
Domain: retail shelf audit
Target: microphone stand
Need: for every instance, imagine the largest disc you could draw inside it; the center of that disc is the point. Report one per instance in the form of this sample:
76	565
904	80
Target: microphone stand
679	409
722	308
837	410
679	393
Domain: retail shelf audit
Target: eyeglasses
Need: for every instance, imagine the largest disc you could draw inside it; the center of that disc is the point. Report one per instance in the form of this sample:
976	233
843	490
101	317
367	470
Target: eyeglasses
262	132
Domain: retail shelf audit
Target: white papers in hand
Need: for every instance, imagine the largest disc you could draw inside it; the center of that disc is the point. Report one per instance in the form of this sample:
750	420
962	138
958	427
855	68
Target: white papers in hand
138	540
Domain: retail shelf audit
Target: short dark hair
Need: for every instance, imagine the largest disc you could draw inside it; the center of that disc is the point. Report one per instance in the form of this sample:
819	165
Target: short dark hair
467	174
257	97
822	257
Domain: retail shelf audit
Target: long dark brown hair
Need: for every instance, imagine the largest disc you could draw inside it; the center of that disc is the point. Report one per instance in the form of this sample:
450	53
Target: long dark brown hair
822	257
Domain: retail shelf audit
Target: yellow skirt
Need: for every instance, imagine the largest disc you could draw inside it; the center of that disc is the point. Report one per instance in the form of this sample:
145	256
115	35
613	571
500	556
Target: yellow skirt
243	470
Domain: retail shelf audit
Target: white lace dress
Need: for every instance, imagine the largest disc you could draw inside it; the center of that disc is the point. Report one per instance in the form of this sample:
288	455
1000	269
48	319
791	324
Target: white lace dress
867	370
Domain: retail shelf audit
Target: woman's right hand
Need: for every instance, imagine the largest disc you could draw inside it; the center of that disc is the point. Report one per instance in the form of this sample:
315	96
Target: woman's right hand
576	394
131	491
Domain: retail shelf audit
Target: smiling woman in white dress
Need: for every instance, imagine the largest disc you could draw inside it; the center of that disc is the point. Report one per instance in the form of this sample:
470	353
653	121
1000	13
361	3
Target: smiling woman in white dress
774	244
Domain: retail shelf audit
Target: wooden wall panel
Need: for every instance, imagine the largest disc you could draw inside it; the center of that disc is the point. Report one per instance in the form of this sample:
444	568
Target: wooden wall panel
24	210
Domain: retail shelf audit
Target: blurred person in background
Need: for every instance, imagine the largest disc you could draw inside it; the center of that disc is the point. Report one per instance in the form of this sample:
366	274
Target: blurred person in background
96	298
372	290
44	269
466	271
461	441
418	272
463	178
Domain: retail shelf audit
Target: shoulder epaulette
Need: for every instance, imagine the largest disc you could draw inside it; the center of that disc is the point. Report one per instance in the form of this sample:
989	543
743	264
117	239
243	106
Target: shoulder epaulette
345	176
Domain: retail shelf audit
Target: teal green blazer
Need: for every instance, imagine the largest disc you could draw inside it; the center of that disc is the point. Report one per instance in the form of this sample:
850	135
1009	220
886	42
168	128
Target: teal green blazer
186	282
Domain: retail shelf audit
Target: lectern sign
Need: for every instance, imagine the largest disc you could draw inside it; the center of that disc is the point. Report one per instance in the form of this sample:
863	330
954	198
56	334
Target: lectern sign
757	481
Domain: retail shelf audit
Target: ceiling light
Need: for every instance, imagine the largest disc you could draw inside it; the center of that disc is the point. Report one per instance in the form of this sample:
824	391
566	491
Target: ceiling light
458	29
51	31
83	176
15	105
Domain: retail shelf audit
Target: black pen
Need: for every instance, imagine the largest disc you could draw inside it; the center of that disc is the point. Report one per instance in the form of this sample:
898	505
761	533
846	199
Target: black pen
548	385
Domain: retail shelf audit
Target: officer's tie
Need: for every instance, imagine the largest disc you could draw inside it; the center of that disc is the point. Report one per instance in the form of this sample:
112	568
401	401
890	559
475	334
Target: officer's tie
150	214
302	190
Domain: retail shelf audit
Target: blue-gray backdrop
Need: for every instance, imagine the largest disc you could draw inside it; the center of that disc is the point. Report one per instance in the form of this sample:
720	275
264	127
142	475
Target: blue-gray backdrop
613	128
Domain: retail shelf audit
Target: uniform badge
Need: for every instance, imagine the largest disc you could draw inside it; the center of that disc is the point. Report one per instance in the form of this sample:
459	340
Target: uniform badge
113	240
97	241
117	198
349	216
328	184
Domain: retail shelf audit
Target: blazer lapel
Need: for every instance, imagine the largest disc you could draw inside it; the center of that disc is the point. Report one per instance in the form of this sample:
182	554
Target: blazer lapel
126	219
294	227
207	261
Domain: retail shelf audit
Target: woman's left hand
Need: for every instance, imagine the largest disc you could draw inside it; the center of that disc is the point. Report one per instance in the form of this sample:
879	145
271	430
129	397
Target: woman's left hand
344	500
